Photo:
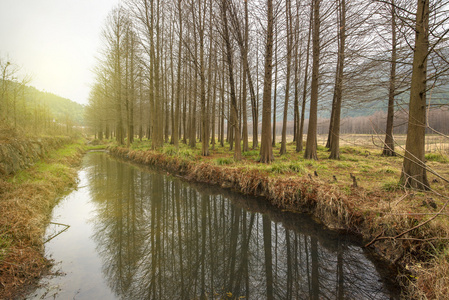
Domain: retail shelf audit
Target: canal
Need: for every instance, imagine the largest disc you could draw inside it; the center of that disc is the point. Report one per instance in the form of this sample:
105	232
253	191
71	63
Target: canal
129	232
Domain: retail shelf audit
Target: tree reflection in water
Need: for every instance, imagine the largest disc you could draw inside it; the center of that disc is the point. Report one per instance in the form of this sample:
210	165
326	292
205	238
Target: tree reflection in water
160	238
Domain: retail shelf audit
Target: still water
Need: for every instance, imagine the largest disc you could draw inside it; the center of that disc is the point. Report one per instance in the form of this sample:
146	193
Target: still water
136	233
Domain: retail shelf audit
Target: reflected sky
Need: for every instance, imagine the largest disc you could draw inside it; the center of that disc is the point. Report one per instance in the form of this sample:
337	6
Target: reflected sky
138	234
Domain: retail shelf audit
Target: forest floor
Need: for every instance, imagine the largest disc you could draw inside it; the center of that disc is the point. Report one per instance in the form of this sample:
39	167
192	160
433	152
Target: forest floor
26	202
408	228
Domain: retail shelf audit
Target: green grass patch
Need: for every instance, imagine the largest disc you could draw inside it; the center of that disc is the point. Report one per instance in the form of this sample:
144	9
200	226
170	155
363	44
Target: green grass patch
55	166
392	186
366	169
352	158
353	150
343	165
96	147
5	244
186	153
297	167
254	153
222	161
311	163
279	168
141	145
438	157
170	150
386	170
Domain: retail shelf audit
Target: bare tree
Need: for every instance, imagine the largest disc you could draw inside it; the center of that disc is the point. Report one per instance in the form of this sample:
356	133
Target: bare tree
228	51
389	141
266	150
414	169
334	133
299	141
311	145
289	33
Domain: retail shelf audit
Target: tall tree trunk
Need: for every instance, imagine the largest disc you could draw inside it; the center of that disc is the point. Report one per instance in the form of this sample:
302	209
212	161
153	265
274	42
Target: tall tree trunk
266	150
298	55
242	41
334	97
184	107
273	143
140	107
214	115
299	141
244	117
335	140
204	114
178	80
118	88
222	99
311	145
158	101
133	92
414	169
254	108
210	83
157	132
389	141
234	109
127	82
166	97
287	79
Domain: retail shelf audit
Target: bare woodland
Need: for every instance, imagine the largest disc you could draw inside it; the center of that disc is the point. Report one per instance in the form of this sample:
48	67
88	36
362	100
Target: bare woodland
210	72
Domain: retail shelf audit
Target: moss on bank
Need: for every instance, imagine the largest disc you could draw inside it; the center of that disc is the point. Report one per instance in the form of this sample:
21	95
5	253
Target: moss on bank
26	201
378	208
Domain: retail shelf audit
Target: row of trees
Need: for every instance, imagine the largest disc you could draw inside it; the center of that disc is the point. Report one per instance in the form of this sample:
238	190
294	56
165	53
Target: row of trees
188	69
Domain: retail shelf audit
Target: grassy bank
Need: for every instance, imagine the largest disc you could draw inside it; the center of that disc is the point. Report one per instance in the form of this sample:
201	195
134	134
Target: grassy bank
26	202
408	228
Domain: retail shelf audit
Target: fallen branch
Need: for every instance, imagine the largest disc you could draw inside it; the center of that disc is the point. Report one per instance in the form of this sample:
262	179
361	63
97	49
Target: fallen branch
377	238
65	229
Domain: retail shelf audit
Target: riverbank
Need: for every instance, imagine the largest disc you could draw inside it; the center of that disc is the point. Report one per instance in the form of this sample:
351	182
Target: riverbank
359	194
35	174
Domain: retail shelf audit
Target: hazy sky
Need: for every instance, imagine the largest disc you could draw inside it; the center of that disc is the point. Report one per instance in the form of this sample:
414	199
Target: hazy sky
55	41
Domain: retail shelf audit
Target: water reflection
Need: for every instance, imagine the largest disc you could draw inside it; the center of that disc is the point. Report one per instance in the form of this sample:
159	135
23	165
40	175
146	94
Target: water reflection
160	238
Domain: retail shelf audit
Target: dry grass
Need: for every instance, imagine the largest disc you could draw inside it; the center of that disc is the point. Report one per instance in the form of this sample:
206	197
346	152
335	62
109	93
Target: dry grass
378	207
27	199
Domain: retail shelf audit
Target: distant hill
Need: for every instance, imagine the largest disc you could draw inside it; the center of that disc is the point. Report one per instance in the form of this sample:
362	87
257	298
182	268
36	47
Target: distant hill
364	105
59	107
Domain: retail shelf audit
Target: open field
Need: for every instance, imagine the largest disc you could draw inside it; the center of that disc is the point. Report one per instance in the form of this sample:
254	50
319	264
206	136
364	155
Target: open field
434	143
